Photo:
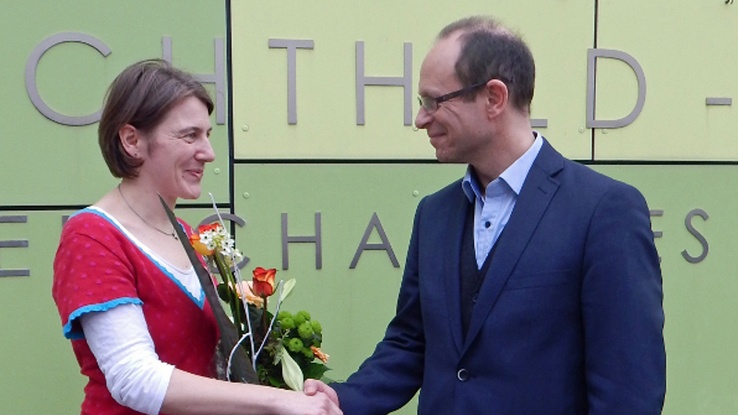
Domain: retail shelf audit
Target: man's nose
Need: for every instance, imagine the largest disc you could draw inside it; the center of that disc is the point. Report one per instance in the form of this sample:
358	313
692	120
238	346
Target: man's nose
423	119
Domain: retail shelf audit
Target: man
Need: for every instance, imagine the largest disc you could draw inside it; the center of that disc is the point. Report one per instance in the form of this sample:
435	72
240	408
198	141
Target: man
532	285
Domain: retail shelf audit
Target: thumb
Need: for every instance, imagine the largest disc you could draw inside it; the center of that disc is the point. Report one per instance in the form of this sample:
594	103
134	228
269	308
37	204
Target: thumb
310	387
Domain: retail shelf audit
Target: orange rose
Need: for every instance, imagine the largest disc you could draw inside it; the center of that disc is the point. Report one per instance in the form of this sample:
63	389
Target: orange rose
263	282
244	291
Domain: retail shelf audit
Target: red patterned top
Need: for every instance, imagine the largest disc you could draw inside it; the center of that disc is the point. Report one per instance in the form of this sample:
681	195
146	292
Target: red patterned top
98	267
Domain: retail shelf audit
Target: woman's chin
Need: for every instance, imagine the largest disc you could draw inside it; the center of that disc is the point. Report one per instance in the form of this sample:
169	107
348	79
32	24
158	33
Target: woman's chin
190	193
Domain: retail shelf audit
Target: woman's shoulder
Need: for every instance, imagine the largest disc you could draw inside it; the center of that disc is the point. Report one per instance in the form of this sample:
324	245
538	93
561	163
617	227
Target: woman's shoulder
90	225
88	219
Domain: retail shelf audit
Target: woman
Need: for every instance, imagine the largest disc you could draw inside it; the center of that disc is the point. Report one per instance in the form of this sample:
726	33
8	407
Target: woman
128	296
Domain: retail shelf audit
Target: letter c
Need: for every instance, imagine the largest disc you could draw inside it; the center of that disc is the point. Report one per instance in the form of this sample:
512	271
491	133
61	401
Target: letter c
32	65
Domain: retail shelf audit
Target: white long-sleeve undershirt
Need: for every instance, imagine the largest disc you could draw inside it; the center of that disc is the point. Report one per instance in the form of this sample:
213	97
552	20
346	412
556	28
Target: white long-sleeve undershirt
120	340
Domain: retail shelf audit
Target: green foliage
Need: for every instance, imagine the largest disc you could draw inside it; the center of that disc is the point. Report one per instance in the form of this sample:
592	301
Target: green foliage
294	334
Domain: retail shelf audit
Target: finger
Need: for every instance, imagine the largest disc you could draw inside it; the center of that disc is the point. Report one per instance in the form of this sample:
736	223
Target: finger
310	387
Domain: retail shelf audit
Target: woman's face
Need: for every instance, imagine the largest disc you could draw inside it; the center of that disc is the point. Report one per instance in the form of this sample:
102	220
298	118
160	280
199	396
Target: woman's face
177	150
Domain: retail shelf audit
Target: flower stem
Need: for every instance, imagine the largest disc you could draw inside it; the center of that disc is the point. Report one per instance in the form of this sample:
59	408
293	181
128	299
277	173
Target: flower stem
233	302
264	324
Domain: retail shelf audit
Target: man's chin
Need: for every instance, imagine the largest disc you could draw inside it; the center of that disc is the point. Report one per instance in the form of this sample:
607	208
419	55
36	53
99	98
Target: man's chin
443	157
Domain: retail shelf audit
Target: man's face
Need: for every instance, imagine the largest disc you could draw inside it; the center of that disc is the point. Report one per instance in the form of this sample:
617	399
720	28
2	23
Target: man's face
457	128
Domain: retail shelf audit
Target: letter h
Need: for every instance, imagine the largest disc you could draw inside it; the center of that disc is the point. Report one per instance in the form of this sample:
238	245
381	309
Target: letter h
317	240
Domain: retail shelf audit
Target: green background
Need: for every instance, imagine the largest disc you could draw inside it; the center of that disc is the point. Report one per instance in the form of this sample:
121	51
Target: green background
678	152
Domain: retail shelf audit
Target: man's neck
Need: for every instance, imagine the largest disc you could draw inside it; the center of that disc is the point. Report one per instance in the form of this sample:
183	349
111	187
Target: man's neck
502	155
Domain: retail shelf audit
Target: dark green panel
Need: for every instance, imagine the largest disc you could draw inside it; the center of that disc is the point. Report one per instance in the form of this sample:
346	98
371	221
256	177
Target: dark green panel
355	305
34	355
46	163
699	297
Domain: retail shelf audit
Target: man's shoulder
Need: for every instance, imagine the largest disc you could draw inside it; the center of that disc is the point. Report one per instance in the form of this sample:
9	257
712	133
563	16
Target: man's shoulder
581	174
574	172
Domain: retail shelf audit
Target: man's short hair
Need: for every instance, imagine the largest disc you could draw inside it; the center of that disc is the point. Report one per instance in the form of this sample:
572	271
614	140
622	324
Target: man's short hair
491	51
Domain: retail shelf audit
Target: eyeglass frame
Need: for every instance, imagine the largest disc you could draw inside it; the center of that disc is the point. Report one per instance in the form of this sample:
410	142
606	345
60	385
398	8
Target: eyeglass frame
451	95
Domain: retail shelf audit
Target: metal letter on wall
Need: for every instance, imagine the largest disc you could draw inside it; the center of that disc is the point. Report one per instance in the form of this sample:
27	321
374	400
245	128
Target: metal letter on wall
374	223
592	55
32	66
697	235
291	45
656	234
14	244
218	78
405	81
317	240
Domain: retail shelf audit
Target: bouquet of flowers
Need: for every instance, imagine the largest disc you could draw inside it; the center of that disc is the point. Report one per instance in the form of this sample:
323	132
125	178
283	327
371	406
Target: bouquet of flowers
283	348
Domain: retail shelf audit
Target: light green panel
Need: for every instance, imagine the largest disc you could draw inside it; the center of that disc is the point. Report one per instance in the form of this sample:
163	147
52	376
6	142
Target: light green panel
34	355
326	75
45	163
684	50
355	305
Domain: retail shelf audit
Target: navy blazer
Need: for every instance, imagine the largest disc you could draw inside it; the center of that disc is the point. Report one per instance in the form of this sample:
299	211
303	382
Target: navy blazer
569	319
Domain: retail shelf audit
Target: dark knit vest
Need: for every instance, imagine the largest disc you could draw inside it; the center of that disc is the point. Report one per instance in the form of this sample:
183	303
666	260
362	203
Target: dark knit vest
471	276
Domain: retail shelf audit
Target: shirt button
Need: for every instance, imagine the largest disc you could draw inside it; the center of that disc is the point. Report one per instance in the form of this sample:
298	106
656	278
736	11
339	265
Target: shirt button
487	224
462	375
475	298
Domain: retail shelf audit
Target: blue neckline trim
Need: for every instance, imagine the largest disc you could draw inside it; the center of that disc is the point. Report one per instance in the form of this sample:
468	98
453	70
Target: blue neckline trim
199	301
68	329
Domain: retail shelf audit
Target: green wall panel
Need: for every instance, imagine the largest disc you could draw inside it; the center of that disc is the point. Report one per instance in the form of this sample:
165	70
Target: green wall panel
46	163
39	372
685	51
355	305
699	298
46	166
325	74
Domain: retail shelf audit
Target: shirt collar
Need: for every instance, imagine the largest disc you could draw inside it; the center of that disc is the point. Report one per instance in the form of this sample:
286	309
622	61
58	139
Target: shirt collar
514	176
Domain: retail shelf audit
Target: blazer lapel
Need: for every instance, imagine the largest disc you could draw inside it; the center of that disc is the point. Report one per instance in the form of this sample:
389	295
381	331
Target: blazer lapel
453	230
535	196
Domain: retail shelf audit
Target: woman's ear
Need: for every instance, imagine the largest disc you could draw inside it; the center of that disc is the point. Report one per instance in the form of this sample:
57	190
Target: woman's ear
130	139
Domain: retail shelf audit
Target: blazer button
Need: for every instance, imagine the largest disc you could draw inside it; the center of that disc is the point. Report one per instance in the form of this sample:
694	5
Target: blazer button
462	375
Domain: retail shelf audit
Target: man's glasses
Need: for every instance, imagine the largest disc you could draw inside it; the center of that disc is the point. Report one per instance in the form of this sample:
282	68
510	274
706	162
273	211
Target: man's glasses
430	104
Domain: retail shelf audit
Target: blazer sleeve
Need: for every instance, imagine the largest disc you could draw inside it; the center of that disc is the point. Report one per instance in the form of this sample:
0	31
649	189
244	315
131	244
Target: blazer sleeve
622	310
393	374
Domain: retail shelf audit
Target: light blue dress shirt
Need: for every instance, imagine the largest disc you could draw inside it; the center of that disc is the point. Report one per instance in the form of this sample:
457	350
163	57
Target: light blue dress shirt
493	208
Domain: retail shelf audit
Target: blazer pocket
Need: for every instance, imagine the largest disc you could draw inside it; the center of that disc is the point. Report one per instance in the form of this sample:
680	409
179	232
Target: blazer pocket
538	280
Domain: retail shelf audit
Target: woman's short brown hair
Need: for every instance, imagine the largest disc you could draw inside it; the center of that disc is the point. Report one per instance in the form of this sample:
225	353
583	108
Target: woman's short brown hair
141	96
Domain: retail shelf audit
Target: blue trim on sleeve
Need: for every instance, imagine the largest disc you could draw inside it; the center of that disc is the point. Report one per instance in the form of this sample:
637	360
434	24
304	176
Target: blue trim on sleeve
68	328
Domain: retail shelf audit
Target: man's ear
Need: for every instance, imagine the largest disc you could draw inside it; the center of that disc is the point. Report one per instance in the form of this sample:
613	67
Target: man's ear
130	139
497	96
